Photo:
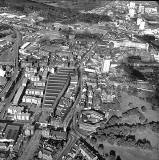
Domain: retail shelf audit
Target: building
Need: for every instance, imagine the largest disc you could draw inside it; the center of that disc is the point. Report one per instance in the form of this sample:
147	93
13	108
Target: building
46	133
16	113
94	114
89	70
106	66
24	82
3	81
2	72
87	153
4	146
57	123
88	127
45	154
2	128
115	44
29	130
39	84
31	70
32	100
150	10
15	109
74	80
11	133
44	75
25	45
58	135
34	92
18	95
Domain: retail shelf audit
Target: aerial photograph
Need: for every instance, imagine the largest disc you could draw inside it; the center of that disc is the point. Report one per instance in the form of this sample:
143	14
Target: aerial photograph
79	80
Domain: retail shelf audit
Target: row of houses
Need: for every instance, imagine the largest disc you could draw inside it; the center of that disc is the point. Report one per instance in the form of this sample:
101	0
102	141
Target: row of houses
83	149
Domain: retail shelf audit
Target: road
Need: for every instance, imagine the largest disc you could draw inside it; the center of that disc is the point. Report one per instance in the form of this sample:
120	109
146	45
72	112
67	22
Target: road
74	111
16	52
31	147
72	140
73	137
73	108
7	101
88	53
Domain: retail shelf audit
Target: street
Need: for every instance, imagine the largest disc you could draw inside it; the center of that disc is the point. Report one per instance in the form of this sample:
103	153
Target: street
9	99
72	140
31	147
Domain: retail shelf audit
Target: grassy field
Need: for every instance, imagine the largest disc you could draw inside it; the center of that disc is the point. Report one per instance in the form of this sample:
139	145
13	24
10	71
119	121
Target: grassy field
127	153
132	153
136	102
149	135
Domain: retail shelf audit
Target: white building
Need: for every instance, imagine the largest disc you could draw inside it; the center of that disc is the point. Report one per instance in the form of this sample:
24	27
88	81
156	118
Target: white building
32	100
35	92
106	66
39	84
25	45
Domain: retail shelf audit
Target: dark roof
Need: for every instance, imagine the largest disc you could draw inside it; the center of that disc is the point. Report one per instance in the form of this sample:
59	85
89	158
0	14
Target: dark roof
12	132
6	58
58	135
2	126
47	152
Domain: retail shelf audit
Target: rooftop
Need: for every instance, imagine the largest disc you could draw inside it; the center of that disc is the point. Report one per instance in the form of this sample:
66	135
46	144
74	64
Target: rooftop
7	58
12	132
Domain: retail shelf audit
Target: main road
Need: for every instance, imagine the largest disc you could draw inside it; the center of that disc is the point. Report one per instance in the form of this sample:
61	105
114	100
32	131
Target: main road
76	134
72	140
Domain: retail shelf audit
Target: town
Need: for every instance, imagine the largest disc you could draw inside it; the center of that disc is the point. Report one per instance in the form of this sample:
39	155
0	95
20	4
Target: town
79	86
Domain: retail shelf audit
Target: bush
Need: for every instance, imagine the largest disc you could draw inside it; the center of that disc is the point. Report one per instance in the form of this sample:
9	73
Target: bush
93	140
118	158
112	153
143	109
113	120
101	147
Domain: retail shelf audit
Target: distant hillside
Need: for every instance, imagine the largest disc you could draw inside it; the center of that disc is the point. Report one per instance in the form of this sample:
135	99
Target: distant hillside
52	13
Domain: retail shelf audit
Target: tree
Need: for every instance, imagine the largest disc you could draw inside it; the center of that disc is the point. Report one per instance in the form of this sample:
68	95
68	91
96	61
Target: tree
118	158
93	140
112	155
99	131
143	109
110	140
101	147
113	120
102	137
106	155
